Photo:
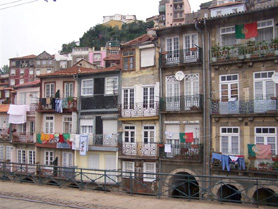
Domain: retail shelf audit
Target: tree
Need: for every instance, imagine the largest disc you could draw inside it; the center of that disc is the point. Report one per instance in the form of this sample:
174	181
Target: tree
5	69
67	48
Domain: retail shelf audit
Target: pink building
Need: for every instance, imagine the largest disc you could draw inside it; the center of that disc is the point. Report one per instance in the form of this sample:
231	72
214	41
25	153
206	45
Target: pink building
97	56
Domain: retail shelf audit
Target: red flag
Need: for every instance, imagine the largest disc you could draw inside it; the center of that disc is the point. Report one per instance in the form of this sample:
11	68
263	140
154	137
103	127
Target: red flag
189	137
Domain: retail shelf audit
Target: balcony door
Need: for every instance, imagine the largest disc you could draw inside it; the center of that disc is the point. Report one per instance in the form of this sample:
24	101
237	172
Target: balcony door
148	101
128	102
129	140
191	91
264	89
172	94
172	48
190	43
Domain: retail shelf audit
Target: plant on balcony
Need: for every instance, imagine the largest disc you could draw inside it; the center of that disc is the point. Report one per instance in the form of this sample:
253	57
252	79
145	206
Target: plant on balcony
215	52
241	51
274	166
275	45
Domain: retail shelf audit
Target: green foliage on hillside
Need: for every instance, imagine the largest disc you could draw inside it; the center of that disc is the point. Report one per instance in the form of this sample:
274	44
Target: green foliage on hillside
98	35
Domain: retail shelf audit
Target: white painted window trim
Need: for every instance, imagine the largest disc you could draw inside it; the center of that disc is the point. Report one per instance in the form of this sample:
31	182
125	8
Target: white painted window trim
230	140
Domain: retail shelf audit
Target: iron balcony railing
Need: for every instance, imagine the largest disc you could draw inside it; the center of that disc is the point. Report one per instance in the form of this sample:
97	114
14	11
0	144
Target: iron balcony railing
182	103
149	149
244	106
184	151
23	137
221	188
251	50
49	104
176	57
103	139
139	109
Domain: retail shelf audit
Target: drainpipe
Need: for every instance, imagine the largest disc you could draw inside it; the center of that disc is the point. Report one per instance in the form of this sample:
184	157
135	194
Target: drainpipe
209	105
204	96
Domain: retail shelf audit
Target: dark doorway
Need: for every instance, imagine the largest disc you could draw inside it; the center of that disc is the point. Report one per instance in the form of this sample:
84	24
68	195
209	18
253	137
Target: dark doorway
229	193
266	196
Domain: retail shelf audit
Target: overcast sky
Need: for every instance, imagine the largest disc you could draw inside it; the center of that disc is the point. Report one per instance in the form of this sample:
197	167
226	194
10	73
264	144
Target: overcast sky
37	25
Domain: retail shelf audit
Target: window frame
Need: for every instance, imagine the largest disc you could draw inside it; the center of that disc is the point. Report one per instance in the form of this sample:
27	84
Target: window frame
51	86
229	83
148	131
129	56
125	169
21	156
50	121
149	177
68	89
148	99
129	131
263	80
64	123
91	92
47	160
266	135
115	87
230	135
86	123
31	156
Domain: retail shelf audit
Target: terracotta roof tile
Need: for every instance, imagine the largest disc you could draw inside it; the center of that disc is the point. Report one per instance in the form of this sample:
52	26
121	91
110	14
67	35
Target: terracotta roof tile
32	56
140	39
112	57
32	83
4	107
226	4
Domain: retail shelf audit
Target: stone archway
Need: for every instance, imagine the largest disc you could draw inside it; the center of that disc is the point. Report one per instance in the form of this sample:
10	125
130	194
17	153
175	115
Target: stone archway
265	196
184	187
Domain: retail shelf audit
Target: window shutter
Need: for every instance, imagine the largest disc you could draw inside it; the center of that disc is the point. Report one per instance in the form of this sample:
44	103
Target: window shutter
147	57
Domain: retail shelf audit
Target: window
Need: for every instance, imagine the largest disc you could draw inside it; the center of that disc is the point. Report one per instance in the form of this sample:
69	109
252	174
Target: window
128	166
21	81
32	159
49	124
50	62
21	71
48	71
38	62
114	52
13	63
67	124
31	72
44	62
22	98
12	82
264	87
48	157
34	97
13	72
172	48
86	126
229	140
49	90
1	153
67	160
8	153
21	157
38	71
32	127
68	89
128	98
63	64
228	36
191	90
234	10
87	87
149	168
128	60
111	85
7	93
190	41
267	136
172	93
97	56
129	134
148	97
228	88
22	128
265	30
149	134
147	57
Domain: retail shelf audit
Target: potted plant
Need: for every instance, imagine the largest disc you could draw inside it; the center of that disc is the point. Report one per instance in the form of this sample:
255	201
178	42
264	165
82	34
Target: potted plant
275	165
215	52
275	45
241	51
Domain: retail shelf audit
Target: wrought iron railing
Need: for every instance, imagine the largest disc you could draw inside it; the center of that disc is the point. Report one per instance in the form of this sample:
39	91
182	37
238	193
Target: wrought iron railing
105	139
244	106
243	190
139	149
23	137
251	50
68	103
139	109
184	151
182	103
190	55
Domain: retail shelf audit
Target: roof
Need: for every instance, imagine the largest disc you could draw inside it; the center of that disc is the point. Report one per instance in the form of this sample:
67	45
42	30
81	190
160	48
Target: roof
32	83
4	107
112	57
205	4
32	56
78	70
226	4
140	39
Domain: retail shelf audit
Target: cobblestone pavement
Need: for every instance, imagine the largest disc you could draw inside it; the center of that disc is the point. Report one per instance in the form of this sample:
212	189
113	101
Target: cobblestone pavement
55	197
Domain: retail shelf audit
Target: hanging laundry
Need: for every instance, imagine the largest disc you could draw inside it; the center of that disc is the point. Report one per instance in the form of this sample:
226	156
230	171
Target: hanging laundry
56	138
65	103
77	141
225	162
189	137
259	151
72	136
83	144
53	103
241	163
233	158
43	100
17	113
61	138
168	148
66	136
216	156
39	139
57	94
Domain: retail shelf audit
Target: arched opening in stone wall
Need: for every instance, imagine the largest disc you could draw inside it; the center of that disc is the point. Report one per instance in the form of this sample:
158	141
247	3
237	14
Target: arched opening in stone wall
185	186
266	196
229	193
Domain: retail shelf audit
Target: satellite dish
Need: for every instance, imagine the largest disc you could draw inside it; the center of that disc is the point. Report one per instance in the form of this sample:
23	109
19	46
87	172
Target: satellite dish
275	77
180	75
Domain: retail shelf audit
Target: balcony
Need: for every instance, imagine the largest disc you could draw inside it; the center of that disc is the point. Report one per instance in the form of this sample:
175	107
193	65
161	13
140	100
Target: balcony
104	140
244	52
69	104
185	56
244	107
139	149
22	138
141	109
184	152
182	103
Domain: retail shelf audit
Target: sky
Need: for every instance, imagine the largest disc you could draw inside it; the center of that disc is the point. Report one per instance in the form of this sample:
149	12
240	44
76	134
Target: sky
37	25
